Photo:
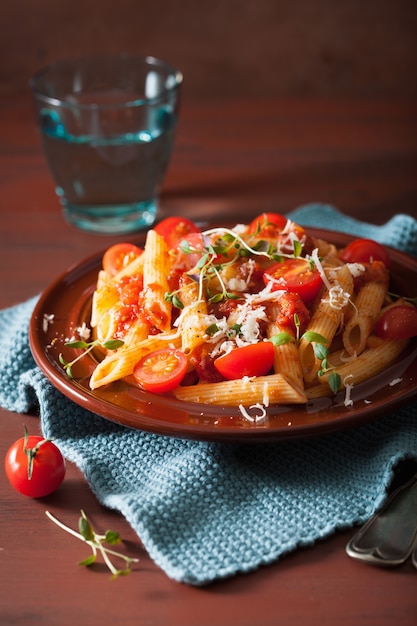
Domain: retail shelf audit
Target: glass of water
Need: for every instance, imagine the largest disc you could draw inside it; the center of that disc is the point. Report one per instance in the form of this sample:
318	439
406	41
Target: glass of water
107	126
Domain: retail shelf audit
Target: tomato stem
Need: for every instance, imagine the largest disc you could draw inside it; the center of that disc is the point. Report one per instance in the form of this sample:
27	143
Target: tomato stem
31	452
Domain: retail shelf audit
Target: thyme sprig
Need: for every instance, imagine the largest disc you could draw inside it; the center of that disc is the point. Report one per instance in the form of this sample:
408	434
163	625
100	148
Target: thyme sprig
89	536
111	344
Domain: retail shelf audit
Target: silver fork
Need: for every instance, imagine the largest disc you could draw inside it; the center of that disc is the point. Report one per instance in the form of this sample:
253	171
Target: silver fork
389	537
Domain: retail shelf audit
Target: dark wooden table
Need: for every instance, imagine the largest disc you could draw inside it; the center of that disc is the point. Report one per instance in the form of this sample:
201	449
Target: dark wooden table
232	160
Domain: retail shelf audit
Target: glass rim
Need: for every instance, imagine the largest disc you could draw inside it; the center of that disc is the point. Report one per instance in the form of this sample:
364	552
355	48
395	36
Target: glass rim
149	60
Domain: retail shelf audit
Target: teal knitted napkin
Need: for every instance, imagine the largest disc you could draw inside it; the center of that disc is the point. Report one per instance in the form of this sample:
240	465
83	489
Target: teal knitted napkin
206	511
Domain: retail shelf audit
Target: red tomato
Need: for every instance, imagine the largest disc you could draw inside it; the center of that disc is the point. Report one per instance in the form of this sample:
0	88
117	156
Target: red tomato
398	322
365	251
268	225
174	229
161	371
186	260
296	276
34	466
255	359
118	256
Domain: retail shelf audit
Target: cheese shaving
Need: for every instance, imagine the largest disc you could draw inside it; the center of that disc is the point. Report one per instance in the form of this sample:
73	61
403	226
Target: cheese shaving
348	390
257	418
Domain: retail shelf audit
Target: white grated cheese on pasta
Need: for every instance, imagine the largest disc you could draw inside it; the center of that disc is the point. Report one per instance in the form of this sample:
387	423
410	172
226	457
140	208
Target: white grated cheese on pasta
338	298
315	257
356	269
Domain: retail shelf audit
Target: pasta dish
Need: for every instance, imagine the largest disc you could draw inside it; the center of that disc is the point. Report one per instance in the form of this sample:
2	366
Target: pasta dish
250	316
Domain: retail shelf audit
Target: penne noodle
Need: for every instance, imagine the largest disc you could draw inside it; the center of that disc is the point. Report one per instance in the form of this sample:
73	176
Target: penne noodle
286	359
371	362
156	267
367	310
326	320
273	389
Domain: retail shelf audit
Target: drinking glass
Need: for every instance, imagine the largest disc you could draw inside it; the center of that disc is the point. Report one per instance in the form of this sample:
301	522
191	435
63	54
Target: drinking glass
107	127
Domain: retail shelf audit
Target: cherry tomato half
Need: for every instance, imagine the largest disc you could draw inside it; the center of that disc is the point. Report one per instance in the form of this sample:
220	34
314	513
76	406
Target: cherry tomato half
161	371
365	251
47	466
174	229
296	276
397	322
268	225
118	256
255	359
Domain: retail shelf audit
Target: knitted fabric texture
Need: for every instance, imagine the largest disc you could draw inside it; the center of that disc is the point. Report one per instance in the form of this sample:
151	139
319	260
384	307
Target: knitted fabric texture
206	511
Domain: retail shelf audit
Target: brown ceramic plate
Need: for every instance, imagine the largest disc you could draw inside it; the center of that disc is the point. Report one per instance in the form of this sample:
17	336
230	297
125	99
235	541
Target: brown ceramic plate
68	299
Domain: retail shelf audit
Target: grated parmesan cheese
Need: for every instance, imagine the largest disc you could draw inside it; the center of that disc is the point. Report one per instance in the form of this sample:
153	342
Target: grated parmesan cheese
84	332
47	319
348	390
256	418
338	298
356	269
395	381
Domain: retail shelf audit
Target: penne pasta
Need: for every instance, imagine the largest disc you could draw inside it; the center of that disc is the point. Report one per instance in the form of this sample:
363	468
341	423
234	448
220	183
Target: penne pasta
366	312
266	390
326	320
371	362
156	267
287	358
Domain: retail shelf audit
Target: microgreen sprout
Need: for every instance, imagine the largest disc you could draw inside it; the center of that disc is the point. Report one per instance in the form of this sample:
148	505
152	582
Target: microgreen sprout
407	299
88	535
111	344
209	266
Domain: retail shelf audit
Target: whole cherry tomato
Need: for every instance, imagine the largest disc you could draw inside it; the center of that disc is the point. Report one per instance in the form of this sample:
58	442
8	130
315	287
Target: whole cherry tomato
173	229
118	256
365	251
397	322
268	225
34	466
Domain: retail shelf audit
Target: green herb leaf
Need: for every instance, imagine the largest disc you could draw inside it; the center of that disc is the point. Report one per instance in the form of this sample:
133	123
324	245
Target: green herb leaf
320	351
281	339
112	537
77	344
297	247
88	561
113	344
218	297
85	528
314	337
334	381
